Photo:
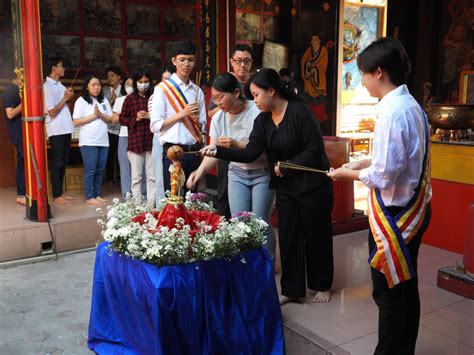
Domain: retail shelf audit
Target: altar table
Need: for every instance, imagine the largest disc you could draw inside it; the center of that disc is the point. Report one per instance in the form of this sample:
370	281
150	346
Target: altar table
220	306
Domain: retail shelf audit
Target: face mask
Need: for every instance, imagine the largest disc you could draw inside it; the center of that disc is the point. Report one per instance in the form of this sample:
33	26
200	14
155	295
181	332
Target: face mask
129	90
143	87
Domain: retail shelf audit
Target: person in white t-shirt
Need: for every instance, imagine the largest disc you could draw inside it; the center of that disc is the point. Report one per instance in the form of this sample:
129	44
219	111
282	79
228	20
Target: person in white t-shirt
59	127
231	127
92	112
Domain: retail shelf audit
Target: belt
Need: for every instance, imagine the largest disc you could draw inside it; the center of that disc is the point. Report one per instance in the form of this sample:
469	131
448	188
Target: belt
185	147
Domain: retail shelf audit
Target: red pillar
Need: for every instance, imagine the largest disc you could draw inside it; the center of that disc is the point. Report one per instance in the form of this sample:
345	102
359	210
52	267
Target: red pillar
27	36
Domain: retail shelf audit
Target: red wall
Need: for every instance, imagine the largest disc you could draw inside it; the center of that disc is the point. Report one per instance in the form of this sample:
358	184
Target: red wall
449	220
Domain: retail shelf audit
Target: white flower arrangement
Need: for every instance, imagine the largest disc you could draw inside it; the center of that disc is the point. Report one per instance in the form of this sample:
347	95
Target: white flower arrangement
145	240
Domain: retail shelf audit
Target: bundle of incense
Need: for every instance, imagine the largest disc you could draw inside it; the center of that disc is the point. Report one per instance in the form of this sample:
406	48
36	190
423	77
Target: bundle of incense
193	152
286	165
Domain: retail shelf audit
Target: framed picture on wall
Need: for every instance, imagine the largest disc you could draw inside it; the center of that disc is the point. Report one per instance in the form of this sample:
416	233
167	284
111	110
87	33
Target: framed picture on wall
102	52
248	27
143	19
143	54
466	87
59	15
67	47
363	24
180	22
102	16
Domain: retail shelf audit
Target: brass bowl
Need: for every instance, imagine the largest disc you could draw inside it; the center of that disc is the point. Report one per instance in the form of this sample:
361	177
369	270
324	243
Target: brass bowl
451	116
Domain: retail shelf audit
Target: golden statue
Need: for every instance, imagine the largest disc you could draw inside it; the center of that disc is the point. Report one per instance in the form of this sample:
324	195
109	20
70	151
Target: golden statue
175	154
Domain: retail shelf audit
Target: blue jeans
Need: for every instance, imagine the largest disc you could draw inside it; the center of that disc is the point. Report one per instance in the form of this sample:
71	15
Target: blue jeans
125	169
248	191
95	159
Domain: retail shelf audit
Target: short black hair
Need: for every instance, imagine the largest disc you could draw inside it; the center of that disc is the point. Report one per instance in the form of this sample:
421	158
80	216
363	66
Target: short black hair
389	55
113	69
226	82
53	62
183	47
285	72
268	78
242	48
85	93
137	75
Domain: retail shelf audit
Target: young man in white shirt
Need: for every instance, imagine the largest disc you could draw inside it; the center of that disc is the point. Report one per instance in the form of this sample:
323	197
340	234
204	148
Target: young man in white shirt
111	93
399	199
178	112
59	127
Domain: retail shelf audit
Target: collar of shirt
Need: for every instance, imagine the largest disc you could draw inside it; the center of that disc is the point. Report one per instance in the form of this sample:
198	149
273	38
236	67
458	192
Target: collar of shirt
181	83
117	91
52	81
386	100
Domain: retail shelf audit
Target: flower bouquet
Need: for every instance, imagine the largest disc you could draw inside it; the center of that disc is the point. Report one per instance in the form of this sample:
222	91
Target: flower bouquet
180	232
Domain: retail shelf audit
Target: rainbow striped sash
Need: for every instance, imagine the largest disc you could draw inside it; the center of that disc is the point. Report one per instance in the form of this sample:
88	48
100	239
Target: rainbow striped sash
178	101
392	234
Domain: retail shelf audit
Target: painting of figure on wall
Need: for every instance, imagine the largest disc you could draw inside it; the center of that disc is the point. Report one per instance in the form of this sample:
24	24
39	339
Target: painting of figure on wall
314	63
180	22
143	54
143	19
66	47
102	16
59	15
102	52
457	47
362	26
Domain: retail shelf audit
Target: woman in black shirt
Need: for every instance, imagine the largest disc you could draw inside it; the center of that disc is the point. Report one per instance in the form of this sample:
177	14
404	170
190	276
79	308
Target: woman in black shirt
287	131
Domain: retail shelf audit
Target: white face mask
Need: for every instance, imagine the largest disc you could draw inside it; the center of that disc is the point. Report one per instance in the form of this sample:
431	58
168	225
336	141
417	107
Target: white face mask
128	90
143	86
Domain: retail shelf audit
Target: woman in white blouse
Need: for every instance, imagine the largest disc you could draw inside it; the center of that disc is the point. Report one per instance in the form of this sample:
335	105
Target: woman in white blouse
92	112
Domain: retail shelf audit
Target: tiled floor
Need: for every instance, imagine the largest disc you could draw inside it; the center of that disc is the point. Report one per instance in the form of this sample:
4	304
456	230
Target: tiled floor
349	321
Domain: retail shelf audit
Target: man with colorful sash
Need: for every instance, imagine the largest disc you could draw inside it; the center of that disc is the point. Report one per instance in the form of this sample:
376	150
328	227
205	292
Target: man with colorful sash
178	111
398	176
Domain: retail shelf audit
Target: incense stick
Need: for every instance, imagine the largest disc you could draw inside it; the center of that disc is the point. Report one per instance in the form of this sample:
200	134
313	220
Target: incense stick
287	165
75	76
193	152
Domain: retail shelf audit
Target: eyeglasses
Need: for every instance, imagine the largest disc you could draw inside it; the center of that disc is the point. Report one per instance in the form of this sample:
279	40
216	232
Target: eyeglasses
217	99
240	61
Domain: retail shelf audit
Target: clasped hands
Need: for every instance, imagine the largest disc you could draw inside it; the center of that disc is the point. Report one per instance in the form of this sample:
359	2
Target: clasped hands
142	115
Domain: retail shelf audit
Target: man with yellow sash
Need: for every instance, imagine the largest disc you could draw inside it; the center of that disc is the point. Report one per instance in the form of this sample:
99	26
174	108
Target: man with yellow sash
398	176
178	111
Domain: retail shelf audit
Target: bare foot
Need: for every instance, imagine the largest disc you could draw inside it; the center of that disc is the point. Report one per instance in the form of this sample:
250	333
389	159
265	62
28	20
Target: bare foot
93	201
103	200
322	297
21	200
69	198
60	200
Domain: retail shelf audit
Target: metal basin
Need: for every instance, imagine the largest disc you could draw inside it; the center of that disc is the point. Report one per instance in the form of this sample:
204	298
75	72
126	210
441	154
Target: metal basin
451	116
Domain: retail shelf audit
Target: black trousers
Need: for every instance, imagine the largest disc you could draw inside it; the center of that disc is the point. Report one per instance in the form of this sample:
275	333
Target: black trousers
399	307
305	236
60	146
112	158
222	182
20	170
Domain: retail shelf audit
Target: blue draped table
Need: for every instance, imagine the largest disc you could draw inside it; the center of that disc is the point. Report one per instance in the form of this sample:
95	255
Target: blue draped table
220	306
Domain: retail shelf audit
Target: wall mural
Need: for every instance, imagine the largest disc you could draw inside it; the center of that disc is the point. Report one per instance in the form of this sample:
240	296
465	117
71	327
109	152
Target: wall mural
143	54
59	15
362	25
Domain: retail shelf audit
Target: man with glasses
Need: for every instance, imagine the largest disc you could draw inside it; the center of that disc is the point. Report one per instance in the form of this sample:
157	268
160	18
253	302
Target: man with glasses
178	112
59	126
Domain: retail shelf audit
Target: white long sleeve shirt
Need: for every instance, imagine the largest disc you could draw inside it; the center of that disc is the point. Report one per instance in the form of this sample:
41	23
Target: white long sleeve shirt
161	109
398	148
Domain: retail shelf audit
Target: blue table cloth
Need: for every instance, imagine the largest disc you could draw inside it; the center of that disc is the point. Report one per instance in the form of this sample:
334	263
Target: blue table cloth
221	306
